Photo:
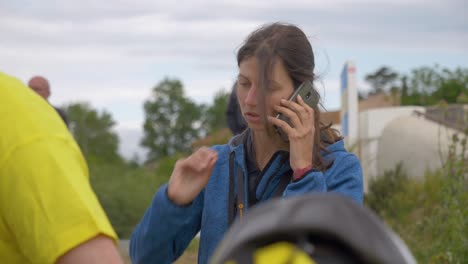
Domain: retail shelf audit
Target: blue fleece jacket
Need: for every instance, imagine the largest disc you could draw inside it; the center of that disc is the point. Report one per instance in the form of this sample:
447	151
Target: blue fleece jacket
166	229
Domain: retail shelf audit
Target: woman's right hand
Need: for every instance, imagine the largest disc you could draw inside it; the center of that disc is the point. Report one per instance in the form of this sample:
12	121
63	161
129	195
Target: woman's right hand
190	176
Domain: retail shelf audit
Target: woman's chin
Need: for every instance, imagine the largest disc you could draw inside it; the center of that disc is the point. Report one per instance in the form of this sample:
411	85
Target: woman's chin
257	126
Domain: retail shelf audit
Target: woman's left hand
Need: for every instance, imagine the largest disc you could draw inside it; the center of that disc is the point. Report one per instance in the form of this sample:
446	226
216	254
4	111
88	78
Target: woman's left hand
301	135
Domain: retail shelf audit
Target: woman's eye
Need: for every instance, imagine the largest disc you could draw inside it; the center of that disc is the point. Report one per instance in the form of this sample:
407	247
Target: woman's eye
272	88
244	84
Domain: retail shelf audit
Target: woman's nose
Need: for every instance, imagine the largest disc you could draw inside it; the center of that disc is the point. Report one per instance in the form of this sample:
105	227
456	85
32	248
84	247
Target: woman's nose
251	98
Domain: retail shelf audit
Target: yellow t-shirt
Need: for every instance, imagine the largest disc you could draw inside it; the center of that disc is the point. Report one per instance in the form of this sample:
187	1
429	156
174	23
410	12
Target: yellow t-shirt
47	205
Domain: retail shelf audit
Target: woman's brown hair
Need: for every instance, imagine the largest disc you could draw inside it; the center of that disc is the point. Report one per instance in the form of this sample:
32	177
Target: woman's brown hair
289	44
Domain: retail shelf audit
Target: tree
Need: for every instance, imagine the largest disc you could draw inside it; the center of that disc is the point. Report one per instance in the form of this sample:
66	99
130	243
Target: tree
172	121
406	97
214	117
93	132
382	80
422	83
428	86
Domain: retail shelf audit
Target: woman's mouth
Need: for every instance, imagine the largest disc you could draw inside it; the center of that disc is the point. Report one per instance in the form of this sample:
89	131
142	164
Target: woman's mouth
252	117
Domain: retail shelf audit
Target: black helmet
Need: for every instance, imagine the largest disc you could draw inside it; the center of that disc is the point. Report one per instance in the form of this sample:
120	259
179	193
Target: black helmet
315	228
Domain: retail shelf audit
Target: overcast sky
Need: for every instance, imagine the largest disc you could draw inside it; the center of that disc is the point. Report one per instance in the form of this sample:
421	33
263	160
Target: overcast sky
111	53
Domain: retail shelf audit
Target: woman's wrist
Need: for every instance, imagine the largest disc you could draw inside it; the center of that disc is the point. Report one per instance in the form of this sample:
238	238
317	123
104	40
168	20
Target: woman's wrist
173	198
299	173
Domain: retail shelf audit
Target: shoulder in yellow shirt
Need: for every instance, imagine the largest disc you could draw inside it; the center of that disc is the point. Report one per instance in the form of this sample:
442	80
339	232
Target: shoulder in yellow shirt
47	205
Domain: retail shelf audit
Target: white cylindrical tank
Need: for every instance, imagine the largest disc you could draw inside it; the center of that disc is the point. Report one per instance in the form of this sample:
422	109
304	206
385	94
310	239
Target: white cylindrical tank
418	143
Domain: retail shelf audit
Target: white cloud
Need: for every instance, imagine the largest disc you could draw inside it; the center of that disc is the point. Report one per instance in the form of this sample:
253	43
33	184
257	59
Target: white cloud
203	90
103	96
203	26
130	125
329	91
130	143
112	53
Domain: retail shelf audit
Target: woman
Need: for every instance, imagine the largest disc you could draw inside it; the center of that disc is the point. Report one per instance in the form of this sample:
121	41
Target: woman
212	187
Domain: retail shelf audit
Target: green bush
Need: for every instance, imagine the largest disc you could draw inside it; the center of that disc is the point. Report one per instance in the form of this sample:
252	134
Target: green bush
382	189
165	166
430	214
126	191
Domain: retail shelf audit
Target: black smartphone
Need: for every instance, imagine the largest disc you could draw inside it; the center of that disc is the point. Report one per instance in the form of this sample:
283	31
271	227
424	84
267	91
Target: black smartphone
309	95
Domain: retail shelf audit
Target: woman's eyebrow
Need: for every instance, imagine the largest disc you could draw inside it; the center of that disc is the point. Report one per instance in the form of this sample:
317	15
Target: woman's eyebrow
242	76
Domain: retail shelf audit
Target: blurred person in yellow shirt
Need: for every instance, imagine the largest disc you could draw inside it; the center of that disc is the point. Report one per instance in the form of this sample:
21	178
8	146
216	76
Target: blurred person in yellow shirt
48	210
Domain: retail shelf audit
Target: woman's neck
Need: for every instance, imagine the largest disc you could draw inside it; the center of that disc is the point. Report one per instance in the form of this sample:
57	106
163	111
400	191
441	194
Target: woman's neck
265	146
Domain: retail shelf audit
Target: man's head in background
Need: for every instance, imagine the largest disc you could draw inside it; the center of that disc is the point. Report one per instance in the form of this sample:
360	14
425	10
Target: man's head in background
40	85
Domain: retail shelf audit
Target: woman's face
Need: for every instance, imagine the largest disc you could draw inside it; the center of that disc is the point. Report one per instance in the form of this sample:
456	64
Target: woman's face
281	87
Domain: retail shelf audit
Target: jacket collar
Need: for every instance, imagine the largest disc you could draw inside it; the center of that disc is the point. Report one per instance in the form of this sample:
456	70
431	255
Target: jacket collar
278	165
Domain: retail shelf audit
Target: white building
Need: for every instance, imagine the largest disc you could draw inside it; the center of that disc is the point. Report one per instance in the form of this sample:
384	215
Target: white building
382	133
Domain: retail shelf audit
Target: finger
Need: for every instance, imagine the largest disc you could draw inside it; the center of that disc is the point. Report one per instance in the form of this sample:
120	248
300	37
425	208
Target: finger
309	120
281	124
204	153
201	159
304	104
179	164
307	107
207	161
299	108
295	120
212	163
212	155
206	164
